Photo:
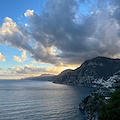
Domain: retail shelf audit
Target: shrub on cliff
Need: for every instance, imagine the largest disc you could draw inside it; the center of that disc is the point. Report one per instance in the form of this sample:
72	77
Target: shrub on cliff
111	111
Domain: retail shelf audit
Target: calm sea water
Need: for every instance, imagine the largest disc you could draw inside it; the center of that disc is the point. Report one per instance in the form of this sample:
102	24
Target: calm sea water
36	100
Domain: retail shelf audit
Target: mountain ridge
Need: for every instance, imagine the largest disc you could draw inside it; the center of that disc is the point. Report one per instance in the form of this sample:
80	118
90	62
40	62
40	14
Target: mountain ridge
42	77
99	71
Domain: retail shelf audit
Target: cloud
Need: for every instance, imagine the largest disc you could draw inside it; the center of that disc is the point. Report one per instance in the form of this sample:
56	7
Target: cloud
26	25
91	36
2	57
16	58
54	70
22	58
31	70
27	70
34	62
8	75
15	36
29	13
24	55
64	34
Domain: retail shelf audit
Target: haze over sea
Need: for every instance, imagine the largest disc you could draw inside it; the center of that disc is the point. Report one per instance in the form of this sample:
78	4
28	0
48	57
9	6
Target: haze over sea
40	100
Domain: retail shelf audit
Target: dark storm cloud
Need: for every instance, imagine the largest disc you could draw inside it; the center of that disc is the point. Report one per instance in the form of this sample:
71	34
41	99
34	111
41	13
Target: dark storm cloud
58	27
94	34
115	2
75	36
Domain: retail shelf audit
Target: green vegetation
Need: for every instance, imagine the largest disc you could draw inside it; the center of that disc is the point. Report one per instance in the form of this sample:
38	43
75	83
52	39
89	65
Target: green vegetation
91	105
94	103
111	111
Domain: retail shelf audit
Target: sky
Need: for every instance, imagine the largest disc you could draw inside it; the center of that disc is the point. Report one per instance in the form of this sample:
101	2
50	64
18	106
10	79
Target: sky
48	36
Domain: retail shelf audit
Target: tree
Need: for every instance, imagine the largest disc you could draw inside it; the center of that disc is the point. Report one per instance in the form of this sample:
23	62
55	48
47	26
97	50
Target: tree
111	111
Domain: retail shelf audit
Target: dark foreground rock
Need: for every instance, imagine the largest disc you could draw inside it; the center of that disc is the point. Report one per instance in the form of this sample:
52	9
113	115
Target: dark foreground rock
91	105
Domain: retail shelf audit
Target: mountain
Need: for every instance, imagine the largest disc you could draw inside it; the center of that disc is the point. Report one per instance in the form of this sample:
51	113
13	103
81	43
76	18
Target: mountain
46	75
43	77
99	71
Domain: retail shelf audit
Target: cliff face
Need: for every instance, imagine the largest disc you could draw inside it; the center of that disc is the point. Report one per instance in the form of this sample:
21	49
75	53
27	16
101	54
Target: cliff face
99	71
66	77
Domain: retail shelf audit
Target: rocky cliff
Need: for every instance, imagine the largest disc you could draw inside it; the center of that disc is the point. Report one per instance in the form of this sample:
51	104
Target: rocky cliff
99	71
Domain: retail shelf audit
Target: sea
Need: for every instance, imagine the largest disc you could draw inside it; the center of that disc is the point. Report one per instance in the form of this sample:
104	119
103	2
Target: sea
40	100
